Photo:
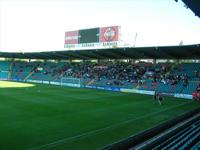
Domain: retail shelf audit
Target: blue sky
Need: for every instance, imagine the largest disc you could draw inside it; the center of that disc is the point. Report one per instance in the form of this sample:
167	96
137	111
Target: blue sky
39	25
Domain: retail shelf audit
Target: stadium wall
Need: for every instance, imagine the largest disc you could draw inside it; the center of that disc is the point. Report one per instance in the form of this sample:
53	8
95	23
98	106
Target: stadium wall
108	88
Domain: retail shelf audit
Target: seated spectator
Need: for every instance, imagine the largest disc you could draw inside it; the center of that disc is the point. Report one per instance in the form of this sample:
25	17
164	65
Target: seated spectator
198	88
185	82
196	95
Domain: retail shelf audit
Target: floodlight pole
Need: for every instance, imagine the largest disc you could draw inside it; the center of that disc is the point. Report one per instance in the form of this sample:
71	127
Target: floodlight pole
135	40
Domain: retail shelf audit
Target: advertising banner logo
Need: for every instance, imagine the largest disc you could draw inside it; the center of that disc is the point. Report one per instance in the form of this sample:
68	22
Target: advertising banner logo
71	37
109	34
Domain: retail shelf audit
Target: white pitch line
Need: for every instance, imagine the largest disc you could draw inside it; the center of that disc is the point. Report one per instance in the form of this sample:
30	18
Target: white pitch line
82	98
100	130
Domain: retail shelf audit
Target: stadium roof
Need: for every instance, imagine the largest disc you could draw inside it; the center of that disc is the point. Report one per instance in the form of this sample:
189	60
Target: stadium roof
166	52
194	5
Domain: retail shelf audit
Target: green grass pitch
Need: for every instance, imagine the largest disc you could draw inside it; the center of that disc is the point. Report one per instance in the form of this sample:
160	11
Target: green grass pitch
35	116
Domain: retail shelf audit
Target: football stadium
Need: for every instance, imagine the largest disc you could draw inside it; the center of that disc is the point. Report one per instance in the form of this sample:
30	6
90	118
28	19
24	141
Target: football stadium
98	93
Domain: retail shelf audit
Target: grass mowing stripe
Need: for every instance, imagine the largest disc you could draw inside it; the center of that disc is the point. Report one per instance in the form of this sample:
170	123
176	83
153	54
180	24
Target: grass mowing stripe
53	144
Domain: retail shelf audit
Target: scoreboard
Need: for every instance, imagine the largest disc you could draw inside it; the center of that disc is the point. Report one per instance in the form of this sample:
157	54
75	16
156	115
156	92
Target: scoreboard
94	37
89	36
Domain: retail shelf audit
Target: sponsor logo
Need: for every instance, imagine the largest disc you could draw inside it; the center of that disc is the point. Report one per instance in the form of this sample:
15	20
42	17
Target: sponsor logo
71	38
109	34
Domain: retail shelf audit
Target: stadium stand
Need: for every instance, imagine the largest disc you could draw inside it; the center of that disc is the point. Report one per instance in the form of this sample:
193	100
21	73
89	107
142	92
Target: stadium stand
162	77
185	139
143	76
4	69
183	78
